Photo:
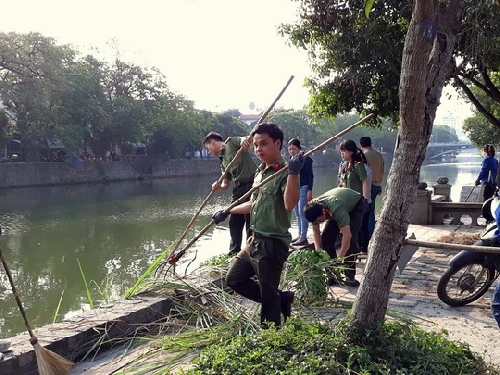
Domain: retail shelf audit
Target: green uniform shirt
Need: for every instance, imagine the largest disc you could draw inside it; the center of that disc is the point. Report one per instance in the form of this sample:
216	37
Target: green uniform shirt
244	168
268	215
354	177
340	201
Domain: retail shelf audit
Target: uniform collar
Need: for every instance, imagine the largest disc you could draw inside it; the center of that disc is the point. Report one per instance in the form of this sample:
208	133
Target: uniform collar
276	166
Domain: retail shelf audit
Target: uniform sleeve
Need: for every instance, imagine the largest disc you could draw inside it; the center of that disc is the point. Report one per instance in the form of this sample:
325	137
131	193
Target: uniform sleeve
361	171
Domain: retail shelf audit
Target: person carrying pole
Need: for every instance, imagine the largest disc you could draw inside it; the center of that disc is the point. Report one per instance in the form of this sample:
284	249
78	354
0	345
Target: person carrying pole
241	172
255	271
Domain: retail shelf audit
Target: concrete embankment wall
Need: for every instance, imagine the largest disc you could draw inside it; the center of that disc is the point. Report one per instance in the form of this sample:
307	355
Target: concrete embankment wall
20	174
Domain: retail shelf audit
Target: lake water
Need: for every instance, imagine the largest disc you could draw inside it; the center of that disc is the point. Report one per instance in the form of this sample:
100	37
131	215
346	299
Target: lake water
113	232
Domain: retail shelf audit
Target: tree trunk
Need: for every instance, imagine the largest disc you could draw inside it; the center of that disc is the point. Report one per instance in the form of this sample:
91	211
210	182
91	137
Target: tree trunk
425	68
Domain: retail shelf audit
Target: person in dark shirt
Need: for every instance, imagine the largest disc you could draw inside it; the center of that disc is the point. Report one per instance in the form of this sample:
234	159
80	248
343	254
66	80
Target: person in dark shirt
488	174
305	186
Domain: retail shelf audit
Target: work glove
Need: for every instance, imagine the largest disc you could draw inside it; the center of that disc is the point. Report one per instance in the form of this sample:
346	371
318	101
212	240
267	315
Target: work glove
219	217
295	163
477	183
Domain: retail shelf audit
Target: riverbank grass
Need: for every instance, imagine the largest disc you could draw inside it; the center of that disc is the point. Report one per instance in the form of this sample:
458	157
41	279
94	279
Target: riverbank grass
214	331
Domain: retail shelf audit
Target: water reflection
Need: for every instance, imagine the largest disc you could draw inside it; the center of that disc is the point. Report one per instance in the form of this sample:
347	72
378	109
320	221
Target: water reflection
462	172
114	231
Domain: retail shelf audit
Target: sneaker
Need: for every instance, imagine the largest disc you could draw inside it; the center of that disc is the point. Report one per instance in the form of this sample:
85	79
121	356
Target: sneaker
287	298
352	282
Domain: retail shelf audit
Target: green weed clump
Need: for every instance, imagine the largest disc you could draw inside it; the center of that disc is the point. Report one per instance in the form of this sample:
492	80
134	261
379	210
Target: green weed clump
302	347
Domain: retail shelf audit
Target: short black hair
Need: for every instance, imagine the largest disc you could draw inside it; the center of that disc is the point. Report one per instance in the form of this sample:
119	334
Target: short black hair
294	142
365	142
212	136
313	210
269	128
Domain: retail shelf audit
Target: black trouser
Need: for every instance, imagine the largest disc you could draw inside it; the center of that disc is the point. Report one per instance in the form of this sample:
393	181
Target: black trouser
331	231
238	222
262	257
364	232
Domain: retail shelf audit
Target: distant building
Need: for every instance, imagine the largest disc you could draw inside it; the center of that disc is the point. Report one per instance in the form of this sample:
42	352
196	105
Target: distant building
250	120
450	121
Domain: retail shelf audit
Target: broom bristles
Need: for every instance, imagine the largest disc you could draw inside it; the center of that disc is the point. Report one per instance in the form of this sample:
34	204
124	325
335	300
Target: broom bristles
50	363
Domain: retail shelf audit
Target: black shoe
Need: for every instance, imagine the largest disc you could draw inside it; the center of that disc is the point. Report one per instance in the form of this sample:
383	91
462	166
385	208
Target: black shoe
286	304
333	282
352	282
300	243
295	239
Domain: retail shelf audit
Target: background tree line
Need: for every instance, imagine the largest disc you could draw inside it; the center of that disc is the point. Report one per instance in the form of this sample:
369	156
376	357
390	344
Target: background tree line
51	92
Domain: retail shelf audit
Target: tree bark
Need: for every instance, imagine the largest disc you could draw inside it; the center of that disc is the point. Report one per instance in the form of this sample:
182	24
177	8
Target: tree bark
426	65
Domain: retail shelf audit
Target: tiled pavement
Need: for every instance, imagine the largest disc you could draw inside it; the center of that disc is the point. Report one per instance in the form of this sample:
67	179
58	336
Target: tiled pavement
413	293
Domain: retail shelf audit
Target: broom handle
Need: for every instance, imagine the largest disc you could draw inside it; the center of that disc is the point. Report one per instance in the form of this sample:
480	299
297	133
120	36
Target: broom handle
16	295
173	258
231	163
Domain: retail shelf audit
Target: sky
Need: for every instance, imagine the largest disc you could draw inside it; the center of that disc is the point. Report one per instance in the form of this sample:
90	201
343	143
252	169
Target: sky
220	53
223	54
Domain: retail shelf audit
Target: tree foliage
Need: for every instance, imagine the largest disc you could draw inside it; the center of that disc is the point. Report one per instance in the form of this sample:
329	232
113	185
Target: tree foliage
354	66
51	92
395	64
356	60
31	71
477	127
443	134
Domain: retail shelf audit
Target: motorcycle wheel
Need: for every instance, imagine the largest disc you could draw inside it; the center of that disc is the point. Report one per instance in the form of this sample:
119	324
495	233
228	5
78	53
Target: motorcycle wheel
462	285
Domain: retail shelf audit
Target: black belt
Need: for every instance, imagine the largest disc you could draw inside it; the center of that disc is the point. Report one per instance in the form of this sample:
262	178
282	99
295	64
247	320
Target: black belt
241	183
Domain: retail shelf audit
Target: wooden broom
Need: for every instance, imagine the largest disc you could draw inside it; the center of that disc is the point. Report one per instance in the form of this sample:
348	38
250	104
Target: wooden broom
48	362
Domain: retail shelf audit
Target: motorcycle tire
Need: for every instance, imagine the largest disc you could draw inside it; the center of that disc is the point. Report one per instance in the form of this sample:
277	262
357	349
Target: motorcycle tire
455	287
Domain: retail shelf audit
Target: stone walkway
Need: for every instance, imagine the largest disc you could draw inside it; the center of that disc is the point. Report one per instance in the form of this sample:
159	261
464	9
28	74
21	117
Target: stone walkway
414	292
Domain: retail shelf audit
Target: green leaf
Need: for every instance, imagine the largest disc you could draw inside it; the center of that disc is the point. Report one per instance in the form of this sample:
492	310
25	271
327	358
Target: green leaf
368	7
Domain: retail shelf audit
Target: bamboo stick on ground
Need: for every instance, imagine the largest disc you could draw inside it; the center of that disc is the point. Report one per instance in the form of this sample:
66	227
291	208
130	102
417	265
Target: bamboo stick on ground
48	362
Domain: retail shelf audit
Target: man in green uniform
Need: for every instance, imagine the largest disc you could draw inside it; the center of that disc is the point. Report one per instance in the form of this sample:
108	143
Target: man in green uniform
255	271
241	172
343	210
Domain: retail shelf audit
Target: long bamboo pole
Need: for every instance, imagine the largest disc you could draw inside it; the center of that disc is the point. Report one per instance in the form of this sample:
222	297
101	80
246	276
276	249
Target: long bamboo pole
452	246
231	163
174	257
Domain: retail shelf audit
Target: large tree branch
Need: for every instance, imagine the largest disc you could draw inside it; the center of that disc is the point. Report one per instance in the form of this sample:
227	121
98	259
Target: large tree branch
492	89
477	104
